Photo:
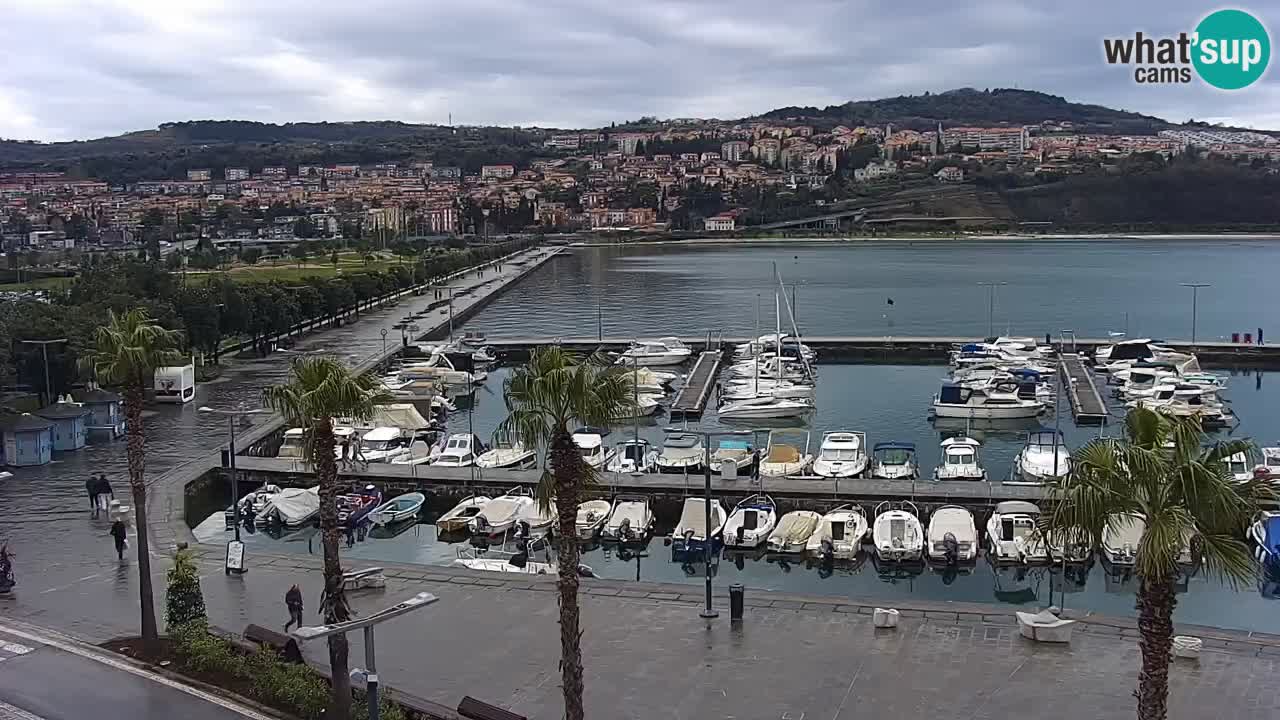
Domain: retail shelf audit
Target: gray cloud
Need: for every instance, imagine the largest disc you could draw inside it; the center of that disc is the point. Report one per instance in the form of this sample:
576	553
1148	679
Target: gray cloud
84	68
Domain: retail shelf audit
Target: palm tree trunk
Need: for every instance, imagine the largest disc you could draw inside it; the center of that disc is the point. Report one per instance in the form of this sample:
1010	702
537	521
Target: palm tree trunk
334	604
135	452
1156	601
566	466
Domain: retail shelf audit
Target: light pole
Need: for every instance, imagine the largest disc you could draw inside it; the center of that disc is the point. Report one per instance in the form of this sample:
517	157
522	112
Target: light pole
1195	296
991	286
44	350
231	415
384	341
707	611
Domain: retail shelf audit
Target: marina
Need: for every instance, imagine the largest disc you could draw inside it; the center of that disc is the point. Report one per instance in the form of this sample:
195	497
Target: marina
692	398
1086	402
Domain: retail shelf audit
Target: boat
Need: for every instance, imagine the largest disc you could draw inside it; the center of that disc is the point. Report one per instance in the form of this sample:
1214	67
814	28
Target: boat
960	460
251	505
681	452
691	533
291	507
894	461
735	452
592	515
793	531
425	447
459	451
534	521
459	517
472	338
839	534
751	522
353	508
1044	457
643	405
842	454
742	389
1013	535
501	513
591	444
952	536
518	561
383	444
507	456
1270	467
486	354
660	352
1265	532
783	459
293	445
633	456
630	521
1239	467
994	401
897	533
762	407
402	507
1120	539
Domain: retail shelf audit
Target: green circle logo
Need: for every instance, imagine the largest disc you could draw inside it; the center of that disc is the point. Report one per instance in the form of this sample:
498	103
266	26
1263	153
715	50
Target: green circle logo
1231	49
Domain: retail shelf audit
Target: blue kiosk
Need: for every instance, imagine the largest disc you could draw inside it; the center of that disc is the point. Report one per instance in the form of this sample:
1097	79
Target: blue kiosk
28	440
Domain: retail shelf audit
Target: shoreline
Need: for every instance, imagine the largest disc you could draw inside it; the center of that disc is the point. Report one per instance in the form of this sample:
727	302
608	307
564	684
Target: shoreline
1009	237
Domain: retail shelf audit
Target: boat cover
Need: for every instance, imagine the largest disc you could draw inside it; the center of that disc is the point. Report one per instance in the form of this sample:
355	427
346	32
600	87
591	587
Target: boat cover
796	527
1012	507
296	505
635	512
1272	535
693	517
783	454
401	415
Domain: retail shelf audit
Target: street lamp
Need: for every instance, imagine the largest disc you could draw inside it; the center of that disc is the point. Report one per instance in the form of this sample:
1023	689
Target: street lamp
707	611
991	303
44	350
1195	296
237	550
449	289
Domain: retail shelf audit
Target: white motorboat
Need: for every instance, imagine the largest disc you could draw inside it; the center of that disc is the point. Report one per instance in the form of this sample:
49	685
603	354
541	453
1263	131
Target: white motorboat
1207	408
251	505
459	451
1043	457
1239	467
594	452
735	452
894	461
776	368
743	389
840	533
793	531
633	456
1270	467
1120	538
842	454
630	521
751	522
660	352
785	457
991	402
592	515
397	509
763	407
291	507
952	535
507	456
293	445
459	517
772	343
501	513
1265	533
897	533
486	354
423	449
692	532
384	444
644	405
535	521
440	369
649	382
1013	534
681	452
960	460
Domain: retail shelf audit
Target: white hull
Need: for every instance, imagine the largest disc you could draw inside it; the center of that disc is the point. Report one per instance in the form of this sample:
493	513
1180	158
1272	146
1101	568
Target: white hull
839	468
507	459
784	469
988	412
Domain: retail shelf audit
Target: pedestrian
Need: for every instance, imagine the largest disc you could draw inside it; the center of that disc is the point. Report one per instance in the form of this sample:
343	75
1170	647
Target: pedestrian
357	456
91	487
120	534
346	452
105	493
293	601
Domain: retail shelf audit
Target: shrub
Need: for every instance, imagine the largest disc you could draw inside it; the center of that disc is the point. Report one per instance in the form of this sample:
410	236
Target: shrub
184	600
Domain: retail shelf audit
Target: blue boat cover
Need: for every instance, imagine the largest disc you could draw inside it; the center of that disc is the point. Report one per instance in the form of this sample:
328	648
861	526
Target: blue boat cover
894	446
969	348
1272	535
1025	373
735	444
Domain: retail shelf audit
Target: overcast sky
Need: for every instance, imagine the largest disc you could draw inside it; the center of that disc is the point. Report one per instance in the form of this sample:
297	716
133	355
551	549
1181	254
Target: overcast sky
87	68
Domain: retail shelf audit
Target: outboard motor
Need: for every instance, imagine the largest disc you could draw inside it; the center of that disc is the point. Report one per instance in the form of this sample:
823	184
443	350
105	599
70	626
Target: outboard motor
742	534
827	554
951	549
624	530
522	532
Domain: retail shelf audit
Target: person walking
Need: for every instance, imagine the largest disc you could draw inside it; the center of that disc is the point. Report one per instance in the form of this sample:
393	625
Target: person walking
91	487
346	453
120	534
105	493
293	601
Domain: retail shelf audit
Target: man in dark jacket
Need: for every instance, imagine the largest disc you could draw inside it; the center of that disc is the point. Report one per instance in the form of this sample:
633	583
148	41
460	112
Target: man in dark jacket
293	600
120	534
91	487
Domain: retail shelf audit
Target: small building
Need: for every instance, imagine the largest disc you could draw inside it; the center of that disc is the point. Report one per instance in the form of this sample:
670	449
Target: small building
105	410
719	223
28	440
69	424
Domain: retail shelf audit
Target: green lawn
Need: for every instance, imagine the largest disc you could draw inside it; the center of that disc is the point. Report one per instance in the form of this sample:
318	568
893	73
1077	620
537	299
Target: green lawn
47	283
290	271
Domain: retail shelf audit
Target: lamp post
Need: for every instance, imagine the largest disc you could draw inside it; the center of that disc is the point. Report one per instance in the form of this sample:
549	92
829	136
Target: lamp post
991	286
1195	296
707	611
236	550
44	351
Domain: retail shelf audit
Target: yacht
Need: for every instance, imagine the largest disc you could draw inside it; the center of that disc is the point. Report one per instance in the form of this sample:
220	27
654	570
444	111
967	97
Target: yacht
592	516
681	452
1239	467
733	451
660	352
501	513
897	533
1270	467
960	460
633	456
691	533
782	458
763	407
1013	534
594	452
507	456
459	451
384	444
894	461
842	454
425	447
534	521
839	534
630	521
751	522
793	531
952	536
1043	457
293	445
994	401
746	388
774	343
459	516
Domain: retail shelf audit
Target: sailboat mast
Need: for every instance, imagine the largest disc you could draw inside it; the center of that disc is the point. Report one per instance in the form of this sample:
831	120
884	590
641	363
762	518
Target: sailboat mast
777	335
759	347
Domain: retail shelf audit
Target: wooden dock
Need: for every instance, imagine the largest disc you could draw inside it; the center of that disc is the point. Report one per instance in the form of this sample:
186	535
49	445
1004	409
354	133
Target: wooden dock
693	395
1086	402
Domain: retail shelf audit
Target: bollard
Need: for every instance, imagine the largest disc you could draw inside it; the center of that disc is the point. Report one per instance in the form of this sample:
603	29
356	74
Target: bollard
736	592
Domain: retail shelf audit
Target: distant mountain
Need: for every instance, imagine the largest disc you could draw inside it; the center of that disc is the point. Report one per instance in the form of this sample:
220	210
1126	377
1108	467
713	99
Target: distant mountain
968	106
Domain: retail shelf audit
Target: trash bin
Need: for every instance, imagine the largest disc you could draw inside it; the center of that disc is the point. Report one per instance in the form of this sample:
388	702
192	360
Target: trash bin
1248	338
1235	338
736	593
226	458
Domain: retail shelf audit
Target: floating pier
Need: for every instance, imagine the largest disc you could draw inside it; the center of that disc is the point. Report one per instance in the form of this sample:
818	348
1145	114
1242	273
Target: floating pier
691	400
1086	402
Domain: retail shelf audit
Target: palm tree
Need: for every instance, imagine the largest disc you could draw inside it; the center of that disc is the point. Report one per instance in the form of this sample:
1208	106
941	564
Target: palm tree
127	351
320	389
543	399
1161	470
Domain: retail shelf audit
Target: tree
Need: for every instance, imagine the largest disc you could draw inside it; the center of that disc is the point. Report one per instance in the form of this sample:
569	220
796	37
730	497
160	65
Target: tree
127	351
320	389
544	398
1161	471
184	602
